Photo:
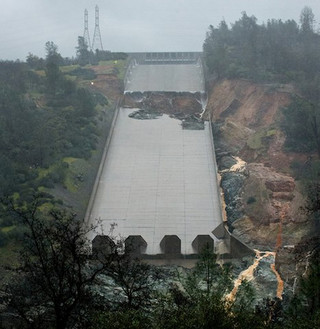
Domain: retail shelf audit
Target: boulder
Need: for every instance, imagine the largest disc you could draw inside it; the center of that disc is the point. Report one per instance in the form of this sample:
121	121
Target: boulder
232	184
280	183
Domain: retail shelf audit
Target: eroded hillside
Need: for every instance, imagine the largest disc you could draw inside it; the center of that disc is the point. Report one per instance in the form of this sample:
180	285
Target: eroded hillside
263	200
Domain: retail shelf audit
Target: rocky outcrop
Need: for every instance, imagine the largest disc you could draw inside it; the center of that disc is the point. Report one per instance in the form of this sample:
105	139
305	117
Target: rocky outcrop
232	184
294	262
286	264
231	136
280	184
264	196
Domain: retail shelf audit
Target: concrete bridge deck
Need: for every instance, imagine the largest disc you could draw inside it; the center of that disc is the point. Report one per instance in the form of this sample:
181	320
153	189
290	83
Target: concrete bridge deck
158	179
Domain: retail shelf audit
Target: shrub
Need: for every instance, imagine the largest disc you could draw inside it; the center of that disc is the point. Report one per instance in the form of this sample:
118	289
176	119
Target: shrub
251	199
3	239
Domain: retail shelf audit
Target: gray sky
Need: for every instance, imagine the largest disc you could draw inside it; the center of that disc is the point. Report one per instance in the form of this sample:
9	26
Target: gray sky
128	25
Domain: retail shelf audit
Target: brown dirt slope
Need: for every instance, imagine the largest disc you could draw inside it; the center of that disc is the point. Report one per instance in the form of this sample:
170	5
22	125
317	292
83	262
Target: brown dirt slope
107	82
247	103
246	117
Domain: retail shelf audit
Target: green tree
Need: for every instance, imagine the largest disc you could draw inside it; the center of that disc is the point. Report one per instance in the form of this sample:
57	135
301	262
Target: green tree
310	288
123	319
53	73
83	54
273	51
84	102
301	125
303	310
199	301
216	49
307	20
52	286
35	62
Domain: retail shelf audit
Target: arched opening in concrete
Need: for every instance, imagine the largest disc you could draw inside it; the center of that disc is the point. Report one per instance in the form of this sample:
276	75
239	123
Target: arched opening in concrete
203	242
102	245
135	244
170	244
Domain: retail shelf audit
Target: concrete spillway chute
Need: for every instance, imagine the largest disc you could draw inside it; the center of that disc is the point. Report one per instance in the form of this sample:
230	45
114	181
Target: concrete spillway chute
165	72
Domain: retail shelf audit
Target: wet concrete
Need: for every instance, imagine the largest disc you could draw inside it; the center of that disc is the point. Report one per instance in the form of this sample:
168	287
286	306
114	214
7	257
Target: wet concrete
170	78
158	179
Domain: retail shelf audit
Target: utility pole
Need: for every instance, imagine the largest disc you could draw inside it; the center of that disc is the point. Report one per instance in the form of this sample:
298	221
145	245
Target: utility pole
86	35
97	42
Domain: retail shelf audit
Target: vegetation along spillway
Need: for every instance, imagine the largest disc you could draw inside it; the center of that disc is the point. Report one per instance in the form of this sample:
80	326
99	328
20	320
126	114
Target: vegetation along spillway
253	263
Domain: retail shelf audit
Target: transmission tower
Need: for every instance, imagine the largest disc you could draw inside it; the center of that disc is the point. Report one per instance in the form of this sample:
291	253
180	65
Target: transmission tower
86	34
97	36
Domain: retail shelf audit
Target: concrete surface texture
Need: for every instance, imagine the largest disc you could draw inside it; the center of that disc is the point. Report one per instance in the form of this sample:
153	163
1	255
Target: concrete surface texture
158	179
170	78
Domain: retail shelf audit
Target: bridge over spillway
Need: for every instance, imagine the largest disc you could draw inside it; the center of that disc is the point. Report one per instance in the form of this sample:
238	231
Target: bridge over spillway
157	185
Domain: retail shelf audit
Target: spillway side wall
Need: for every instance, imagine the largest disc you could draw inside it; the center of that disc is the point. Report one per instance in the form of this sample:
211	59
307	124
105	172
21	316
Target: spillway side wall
215	168
102	162
237	248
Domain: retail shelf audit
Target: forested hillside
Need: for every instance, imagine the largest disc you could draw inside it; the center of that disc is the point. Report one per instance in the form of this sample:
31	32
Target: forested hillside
265	107
277	50
277	53
52	120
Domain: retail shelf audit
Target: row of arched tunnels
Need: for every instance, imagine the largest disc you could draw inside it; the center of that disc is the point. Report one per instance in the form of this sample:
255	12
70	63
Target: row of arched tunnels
170	246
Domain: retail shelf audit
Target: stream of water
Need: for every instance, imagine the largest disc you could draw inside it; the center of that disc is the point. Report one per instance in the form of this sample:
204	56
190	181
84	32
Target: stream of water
249	273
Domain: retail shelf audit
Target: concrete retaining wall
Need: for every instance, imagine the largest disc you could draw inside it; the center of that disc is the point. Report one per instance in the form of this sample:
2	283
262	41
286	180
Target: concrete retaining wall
102	161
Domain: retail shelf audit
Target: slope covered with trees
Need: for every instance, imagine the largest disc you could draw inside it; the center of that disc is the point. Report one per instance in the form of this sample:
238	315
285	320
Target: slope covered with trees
265	106
60	284
52	120
273	51
38	135
48	120
276	53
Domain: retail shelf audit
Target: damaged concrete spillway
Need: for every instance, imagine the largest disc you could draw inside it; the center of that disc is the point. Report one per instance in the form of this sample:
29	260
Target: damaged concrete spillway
158	181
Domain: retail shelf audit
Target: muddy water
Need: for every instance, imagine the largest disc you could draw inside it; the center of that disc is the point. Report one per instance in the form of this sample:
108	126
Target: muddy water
249	274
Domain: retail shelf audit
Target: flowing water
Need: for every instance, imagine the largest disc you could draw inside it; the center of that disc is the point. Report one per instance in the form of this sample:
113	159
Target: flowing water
249	274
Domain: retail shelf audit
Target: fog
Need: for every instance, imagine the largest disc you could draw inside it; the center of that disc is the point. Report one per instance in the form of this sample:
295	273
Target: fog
128	25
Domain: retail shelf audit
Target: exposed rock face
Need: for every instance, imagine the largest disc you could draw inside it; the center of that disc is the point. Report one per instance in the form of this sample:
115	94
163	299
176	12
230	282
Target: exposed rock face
232	184
284	196
279	191
262	202
231	136
293	262
225	162
286	264
280	184
265	280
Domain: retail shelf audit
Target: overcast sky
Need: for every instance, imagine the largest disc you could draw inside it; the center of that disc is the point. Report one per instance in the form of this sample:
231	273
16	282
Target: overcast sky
128	25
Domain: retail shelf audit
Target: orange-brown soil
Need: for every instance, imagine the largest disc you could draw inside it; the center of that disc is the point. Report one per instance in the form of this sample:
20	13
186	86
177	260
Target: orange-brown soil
248	115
